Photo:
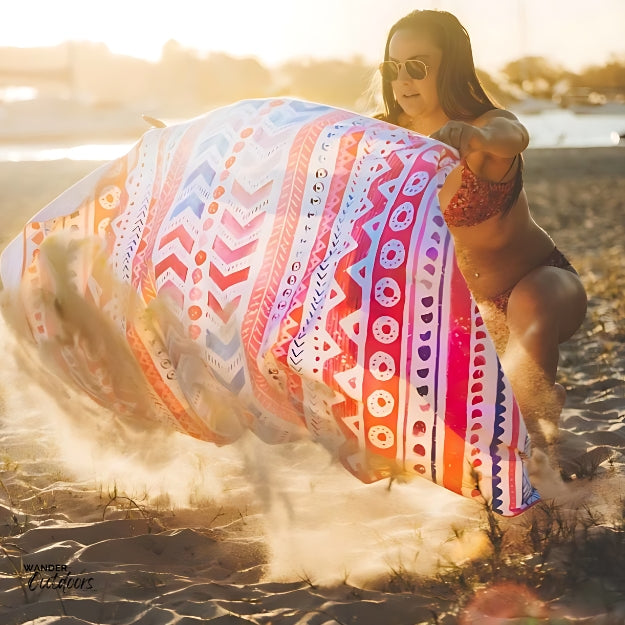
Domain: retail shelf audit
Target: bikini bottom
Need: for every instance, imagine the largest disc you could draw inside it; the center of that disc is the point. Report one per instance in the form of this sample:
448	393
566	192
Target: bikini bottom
555	259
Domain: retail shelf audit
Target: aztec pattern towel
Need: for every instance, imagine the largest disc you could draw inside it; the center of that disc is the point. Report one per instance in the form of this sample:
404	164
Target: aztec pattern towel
284	267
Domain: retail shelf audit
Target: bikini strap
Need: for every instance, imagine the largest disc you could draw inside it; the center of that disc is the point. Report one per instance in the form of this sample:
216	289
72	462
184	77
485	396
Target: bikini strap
509	168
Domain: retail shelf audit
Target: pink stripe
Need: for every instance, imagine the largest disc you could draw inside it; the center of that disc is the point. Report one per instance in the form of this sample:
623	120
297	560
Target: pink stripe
513	454
457	383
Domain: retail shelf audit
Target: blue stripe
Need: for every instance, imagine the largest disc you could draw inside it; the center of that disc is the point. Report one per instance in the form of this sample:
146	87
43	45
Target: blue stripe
498	430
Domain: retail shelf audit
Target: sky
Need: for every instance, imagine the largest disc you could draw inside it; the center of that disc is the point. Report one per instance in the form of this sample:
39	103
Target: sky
572	33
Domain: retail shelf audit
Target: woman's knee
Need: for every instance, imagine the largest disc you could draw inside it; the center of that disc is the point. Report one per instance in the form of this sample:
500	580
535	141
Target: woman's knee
530	314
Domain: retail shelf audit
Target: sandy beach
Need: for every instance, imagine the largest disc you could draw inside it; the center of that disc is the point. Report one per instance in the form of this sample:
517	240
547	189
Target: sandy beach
104	523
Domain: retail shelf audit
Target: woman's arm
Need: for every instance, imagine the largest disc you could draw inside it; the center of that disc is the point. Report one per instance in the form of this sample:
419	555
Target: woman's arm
489	143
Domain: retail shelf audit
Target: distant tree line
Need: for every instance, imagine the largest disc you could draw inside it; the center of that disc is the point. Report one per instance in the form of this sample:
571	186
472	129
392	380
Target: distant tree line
538	77
188	80
185	82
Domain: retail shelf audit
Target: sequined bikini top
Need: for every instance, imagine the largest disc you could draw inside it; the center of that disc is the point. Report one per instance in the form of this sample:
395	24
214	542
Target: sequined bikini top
477	199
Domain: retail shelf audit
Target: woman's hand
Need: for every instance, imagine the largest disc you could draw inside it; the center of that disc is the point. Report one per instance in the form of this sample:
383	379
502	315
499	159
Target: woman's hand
462	136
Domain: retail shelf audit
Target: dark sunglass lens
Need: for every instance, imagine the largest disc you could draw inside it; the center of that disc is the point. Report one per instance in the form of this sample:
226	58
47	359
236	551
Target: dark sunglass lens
415	69
389	72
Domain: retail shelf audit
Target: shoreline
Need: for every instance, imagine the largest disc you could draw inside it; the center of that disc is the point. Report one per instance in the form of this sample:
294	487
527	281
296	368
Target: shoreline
564	185
53	143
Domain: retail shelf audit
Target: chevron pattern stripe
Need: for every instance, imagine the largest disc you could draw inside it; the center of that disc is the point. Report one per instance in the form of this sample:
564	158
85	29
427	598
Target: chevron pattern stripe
283	266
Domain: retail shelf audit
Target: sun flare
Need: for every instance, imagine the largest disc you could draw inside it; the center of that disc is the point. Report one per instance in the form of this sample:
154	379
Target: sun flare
278	30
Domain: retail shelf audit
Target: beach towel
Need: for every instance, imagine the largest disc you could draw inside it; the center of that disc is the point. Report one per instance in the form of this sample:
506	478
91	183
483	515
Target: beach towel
283	267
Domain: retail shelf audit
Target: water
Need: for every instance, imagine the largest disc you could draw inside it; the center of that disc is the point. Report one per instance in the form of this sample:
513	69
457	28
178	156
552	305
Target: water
549	129
565	129
46	152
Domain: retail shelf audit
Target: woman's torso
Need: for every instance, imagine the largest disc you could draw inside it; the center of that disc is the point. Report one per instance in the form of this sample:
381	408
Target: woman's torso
497	252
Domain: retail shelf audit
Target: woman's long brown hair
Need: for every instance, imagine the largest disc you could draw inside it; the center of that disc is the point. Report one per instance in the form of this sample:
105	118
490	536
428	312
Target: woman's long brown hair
460	92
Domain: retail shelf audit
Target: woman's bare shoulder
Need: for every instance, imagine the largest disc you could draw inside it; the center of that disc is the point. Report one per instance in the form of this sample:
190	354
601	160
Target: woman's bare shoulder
493	114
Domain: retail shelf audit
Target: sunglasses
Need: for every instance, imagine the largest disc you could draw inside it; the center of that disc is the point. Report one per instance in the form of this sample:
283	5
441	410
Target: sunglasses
416	69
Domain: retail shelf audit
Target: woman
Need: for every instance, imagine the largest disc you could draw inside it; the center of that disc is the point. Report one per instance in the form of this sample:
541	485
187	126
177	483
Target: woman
511	265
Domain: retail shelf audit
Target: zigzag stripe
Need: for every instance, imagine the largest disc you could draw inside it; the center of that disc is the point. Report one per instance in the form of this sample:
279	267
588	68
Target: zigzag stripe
223	312
268	144
264	291
226	368
256	170
222	348
218	141
233	250
200	180
173	291
294	112
175	264
235	383
193	202
179	233
168	193
226	281
231	253
249	200
240	228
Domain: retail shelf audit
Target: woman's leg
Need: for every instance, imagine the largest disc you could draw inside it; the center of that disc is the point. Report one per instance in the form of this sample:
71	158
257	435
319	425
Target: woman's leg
545	308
